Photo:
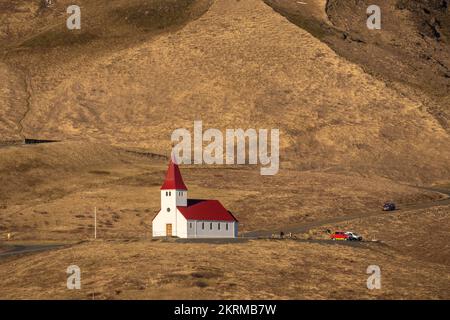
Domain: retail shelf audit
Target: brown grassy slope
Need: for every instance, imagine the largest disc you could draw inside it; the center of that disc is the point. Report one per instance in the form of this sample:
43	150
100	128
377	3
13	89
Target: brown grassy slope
13	102
25	169
239	65
49	191
254	270
30	25
35	43
411	51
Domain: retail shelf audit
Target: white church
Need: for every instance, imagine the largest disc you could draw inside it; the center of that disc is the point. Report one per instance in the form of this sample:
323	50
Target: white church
190	218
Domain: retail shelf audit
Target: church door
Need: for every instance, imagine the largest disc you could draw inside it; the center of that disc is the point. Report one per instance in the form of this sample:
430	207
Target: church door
169	230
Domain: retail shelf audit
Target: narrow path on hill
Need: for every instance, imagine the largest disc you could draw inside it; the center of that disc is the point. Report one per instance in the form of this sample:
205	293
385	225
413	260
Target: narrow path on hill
14	250
303	228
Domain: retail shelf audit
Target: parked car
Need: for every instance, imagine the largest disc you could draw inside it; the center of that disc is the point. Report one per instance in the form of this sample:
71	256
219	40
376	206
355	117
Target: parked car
349	236
389	206
339	235
353	236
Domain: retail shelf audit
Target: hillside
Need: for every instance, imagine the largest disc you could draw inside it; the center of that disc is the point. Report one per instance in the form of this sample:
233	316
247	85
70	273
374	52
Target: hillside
411	52
232	64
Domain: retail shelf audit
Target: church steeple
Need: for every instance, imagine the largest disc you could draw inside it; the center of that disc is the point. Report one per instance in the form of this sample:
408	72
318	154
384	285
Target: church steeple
174	180
173	190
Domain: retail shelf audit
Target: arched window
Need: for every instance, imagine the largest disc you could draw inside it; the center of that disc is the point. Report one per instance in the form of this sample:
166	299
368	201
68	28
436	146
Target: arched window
203	226
218	226
210	226
226	224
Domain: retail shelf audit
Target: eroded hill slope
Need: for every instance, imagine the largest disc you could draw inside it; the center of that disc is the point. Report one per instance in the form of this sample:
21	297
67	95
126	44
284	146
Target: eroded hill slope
240	64
411	51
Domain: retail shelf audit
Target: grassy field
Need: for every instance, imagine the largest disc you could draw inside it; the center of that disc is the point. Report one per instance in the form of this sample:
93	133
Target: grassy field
259	269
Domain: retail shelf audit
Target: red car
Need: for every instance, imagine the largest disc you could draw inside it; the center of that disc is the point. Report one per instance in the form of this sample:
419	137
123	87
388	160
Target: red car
349	236
339	235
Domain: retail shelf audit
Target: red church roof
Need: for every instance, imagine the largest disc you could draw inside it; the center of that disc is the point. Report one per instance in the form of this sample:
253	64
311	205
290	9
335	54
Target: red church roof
206	210
174	180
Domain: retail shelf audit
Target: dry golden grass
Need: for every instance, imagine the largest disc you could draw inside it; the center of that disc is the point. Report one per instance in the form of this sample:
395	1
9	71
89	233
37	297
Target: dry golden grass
37	51
411	52
262	269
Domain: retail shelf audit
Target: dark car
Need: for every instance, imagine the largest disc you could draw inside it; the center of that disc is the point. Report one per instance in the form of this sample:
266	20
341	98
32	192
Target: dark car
389	206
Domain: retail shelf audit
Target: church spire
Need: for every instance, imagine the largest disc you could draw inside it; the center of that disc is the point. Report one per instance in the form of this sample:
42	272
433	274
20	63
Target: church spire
174	180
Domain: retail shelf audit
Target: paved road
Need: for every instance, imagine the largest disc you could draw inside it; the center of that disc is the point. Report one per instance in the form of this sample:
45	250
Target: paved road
13	250
360	244
305	227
